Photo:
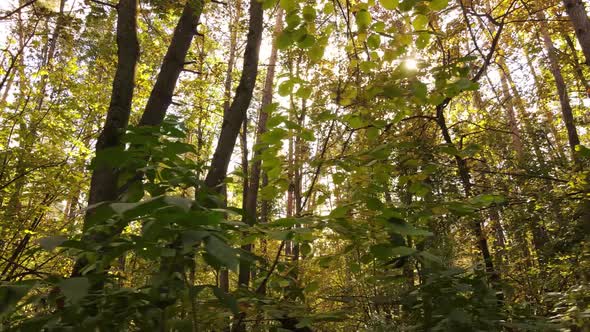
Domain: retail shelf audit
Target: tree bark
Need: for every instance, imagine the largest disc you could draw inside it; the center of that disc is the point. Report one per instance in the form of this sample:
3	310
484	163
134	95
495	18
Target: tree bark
548	114
103	184
234	118
174	60
566	108
233	27
577	13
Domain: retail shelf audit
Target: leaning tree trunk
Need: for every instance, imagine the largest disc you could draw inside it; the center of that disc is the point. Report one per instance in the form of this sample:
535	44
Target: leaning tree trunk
233	28
236	114
103	186
566	108
579	18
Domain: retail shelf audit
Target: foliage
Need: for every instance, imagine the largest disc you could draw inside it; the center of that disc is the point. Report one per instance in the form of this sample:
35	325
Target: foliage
418	172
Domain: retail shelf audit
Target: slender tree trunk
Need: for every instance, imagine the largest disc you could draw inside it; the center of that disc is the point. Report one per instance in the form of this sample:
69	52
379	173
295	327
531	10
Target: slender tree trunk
575	61
234	118
174	61
577	13
566	109
233	28
465	177
103	183
512	122
548	114
250	208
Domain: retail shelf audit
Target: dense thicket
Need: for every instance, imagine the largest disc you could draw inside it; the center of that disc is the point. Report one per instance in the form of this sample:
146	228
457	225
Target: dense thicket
294	165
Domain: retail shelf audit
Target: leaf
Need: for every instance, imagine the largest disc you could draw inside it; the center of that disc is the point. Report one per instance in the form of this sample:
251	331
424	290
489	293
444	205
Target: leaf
307	135
309	14
121	208
389	4
181	202
51	242
274	136
402	251
316	52
465	84
439	4
422	40
284	40
374	41
420	90
293	20
307	41
340	212
288	5
222	252
227	300
304	92
285	88
420	22
10	295
363	19
305	249
75	289
406	229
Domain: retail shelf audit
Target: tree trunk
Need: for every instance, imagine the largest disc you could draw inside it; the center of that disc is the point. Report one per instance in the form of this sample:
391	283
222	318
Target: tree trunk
234	118
579	18
103	183
548	114
512	122
233	28
566	109
464	175
174	61
575	61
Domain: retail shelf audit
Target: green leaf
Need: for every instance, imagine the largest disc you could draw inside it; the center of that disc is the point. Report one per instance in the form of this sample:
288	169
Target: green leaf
268	4
284	40
307	135
363	19
309	14
374	41
285	88
222	252
288	5
439	4
293	20
274	136
465	84
181	202
406	229
10	295
420	90
307	41
402	251
51	242
75	289
227	300
420	22
340	212
304	92
381	251
389	4
422	40
316	52
305	249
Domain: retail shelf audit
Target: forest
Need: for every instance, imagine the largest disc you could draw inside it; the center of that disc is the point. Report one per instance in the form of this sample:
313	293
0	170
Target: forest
294	165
